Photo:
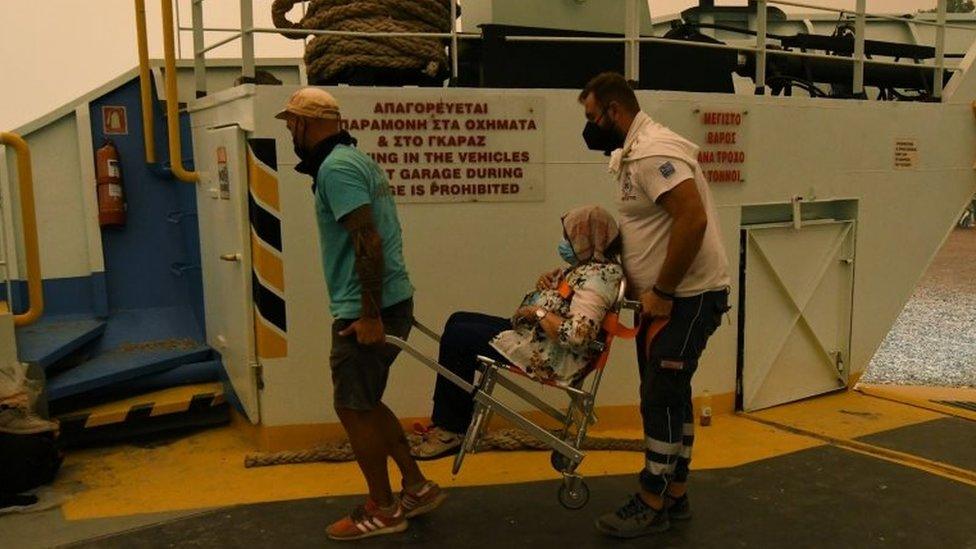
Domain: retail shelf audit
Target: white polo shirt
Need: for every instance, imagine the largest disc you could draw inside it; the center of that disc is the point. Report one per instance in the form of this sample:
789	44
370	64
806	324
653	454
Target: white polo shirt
645	227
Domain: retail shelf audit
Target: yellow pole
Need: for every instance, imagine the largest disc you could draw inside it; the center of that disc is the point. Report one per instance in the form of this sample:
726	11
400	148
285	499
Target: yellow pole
172	99
148	122
25	178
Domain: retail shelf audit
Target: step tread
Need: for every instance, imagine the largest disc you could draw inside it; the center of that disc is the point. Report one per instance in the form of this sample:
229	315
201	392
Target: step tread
52	338
125	363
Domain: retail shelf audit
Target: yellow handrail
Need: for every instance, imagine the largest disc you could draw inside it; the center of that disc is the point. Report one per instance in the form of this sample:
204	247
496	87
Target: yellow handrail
145	92
172	107
25	178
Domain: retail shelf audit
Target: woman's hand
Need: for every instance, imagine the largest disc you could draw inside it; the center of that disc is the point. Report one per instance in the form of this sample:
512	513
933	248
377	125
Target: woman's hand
653	306
526	314
548	281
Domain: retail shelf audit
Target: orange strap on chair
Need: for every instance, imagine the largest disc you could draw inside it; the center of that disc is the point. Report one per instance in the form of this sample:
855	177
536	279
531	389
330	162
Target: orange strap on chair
612	325
565	290
653	330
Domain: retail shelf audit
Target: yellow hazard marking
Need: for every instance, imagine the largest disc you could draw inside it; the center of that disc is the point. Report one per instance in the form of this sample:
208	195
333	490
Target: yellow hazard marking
269	342
927	397
264	185
166	401
268	265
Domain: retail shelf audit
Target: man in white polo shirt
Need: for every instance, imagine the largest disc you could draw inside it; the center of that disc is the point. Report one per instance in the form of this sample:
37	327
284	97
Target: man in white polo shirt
675	263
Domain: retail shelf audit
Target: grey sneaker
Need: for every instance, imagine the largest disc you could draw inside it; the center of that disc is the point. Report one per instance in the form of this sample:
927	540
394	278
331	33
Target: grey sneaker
423	501
678	508
435	443
18	421
634	519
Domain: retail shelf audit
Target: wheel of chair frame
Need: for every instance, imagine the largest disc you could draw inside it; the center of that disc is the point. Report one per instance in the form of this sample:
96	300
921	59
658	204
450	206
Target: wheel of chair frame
574	498
560	462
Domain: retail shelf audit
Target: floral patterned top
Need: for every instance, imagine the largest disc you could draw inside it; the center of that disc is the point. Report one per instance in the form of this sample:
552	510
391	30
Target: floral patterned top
595	286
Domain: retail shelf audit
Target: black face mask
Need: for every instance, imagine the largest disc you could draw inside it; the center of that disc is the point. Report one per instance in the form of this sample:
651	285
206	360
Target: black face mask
300	151
602	139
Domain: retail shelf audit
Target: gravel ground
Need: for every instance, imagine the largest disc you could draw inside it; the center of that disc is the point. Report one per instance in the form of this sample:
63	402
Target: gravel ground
933	342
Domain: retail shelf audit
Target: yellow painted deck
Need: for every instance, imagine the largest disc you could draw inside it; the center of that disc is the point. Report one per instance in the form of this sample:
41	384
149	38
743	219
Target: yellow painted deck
206	469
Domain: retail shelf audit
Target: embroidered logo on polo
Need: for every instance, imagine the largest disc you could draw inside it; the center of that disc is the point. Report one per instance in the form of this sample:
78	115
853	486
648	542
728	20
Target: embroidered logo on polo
667	169
627	191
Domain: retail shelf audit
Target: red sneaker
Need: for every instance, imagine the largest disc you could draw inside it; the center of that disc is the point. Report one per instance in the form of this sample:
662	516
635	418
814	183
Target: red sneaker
429	497
366	521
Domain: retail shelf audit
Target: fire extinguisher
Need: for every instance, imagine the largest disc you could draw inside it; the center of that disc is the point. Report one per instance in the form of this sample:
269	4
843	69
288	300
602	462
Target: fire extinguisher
108	178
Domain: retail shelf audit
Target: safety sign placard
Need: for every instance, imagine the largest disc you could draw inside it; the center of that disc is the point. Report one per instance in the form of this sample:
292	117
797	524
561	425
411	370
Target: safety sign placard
114	121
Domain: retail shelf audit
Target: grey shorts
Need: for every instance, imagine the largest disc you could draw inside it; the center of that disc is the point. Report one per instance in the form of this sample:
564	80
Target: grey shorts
359	373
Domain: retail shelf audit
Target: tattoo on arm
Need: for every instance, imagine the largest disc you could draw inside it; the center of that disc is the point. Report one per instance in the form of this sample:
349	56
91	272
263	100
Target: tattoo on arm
368	247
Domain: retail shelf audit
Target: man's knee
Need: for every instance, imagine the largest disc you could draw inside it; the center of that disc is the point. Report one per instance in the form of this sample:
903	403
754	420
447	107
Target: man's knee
346	413
664	390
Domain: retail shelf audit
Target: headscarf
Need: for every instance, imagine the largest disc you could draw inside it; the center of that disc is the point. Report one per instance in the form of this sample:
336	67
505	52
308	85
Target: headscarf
590	230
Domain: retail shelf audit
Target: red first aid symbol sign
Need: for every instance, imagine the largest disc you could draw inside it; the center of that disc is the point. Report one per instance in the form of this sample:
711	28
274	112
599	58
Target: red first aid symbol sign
114	121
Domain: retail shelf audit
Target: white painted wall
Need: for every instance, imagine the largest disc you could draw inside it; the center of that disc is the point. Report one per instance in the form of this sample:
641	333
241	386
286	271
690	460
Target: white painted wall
484	256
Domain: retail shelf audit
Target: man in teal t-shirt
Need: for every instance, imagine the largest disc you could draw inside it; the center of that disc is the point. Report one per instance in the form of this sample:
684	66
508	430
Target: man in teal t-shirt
371	295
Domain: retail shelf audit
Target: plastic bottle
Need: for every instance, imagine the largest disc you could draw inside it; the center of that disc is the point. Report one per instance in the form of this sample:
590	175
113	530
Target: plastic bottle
705	419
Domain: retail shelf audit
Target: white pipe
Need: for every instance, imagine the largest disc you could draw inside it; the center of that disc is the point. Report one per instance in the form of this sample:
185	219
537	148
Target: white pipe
454	41
871	15
631	46
199	54
216	45
859	30
940	51
761	47
247	39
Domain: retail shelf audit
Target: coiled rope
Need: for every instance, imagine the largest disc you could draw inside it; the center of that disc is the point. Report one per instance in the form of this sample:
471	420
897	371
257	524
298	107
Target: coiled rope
504	439
328	55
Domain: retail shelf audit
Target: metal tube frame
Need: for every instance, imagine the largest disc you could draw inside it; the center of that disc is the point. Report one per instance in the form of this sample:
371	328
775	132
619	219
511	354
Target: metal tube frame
454	41
145	84
859	31
247	39
631	45
172	100
215	45
631	39
28	218
761	24
199	53
938	84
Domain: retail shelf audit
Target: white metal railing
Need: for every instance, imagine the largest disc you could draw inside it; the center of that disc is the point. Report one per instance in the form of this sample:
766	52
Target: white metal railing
631	40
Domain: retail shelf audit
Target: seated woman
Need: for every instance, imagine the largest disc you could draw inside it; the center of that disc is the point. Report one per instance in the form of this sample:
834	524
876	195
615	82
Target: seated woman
550	336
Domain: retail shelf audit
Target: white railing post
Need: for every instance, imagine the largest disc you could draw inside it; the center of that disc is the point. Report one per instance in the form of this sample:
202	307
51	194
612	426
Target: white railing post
247	39
179	40
454	42
859	30
940	51
631	44
199	56
760	47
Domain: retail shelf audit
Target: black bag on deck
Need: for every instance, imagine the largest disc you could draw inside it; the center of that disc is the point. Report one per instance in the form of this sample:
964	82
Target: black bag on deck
27	461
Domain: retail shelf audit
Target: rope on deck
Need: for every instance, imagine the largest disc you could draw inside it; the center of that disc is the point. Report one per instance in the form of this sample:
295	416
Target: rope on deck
326	56
507	440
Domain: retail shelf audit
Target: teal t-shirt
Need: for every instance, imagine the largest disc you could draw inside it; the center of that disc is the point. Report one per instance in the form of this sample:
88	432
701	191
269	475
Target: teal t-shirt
346	180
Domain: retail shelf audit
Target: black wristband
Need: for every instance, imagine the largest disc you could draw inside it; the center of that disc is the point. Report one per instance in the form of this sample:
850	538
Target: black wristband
662	294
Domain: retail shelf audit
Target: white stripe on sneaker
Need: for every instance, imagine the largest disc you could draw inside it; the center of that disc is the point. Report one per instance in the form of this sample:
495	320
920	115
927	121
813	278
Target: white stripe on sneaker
363	527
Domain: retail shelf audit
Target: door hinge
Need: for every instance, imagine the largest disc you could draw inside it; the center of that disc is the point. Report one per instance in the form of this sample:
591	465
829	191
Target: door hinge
258	370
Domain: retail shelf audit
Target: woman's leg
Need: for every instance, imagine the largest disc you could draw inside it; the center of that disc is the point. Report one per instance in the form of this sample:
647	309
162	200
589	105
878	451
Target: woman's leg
466	336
